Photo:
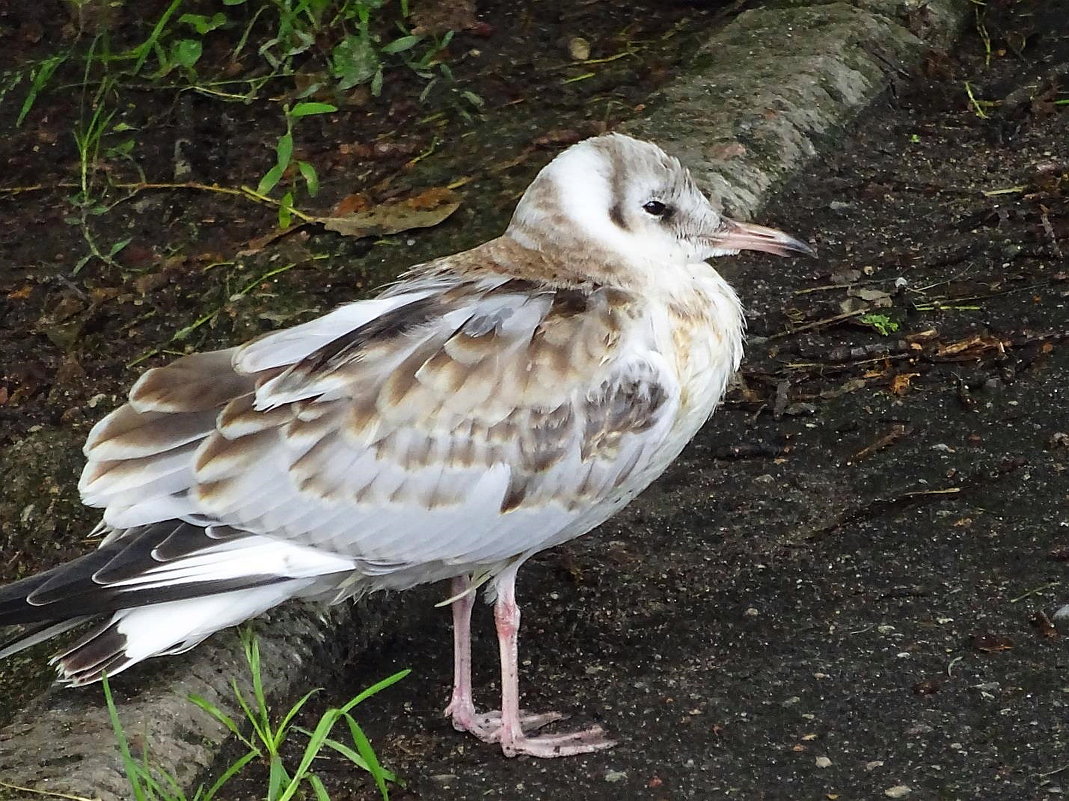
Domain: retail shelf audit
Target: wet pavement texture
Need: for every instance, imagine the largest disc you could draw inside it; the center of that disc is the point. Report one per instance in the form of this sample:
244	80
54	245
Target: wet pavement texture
205	269
844	588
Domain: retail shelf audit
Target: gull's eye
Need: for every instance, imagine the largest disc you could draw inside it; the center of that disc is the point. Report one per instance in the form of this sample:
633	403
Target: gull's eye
655	208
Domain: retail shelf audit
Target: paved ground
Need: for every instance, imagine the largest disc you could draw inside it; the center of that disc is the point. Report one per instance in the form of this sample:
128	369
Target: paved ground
858	605
843	589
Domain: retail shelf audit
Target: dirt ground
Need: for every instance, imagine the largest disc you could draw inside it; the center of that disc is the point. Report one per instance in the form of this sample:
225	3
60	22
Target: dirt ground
195	254
843	589
203	269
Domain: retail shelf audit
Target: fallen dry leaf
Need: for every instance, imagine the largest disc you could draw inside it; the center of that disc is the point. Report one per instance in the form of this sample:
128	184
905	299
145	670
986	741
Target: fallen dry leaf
852	385
350	204
970	348
900	383
877	297
918	337
255	245
927	686
1044	625
424	210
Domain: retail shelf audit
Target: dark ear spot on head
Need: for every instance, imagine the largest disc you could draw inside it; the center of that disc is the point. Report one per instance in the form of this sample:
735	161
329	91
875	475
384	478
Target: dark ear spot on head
616	214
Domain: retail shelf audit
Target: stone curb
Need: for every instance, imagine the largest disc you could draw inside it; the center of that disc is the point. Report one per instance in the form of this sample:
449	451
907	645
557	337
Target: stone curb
764	95
808	70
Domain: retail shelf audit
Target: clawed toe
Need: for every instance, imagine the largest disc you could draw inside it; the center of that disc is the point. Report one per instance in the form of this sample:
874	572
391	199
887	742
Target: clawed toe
487	725
512	727
547	746
534	721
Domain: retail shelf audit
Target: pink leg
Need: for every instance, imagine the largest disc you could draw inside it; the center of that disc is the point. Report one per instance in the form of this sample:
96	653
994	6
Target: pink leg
512	737
462	705
486	726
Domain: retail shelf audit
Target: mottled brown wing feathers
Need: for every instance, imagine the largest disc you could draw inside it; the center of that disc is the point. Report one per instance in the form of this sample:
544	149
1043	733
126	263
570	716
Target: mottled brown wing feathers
198	382
491	395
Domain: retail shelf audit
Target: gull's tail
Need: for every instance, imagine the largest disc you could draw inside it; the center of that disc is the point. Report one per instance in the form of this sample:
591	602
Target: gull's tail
160	589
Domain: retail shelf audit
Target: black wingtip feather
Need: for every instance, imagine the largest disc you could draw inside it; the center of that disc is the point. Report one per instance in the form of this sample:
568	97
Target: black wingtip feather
32	635
82	587
102	650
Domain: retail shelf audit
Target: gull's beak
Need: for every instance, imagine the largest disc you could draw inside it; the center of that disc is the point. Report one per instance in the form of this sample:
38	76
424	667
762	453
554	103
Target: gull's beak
736	236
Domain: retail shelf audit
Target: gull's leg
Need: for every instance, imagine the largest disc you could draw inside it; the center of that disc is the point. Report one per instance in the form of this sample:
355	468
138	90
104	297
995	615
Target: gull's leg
462	705
512	737
485	726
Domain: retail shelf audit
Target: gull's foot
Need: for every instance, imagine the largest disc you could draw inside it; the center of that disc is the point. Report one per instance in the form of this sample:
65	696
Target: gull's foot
547	746
487	725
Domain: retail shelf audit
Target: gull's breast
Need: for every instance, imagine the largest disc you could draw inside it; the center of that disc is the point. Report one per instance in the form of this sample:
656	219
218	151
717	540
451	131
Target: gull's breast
705	326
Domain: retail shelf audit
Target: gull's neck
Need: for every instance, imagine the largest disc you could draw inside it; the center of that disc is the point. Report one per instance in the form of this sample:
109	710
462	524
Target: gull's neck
580	267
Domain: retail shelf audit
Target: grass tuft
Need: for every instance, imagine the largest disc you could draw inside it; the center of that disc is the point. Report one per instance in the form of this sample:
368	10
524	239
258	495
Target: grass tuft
264	737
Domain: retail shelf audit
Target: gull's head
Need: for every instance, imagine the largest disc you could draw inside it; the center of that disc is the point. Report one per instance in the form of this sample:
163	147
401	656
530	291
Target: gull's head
626	202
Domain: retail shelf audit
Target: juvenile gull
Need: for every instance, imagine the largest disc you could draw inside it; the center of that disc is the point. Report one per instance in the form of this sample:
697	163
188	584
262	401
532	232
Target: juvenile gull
489	405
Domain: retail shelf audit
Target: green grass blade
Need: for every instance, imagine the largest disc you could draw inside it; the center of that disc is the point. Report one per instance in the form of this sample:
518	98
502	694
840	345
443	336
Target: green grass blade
252	656
276	777
363	746
258	729
284	724
285	211
318	788
402	44
41	76
142	50
284	149
218	714
130	766
345	751
229	773
172	791
316	739
375	688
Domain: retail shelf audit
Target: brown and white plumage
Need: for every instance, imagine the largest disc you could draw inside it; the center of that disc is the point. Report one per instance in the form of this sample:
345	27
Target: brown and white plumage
489	405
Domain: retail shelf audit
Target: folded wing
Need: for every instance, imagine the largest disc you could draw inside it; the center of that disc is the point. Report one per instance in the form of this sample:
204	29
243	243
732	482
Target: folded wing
432	426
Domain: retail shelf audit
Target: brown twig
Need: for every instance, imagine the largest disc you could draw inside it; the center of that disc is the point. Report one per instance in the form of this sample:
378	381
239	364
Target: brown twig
48	793
140	186
819	323
1050	231
887	440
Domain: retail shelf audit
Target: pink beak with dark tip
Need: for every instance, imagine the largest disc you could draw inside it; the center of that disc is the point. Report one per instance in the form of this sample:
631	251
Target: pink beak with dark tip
734	235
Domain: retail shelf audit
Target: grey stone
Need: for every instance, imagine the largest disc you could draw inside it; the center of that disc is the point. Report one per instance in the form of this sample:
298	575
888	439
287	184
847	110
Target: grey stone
775	84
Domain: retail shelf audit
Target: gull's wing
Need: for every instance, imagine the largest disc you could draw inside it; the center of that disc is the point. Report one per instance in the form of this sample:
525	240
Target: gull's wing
458	423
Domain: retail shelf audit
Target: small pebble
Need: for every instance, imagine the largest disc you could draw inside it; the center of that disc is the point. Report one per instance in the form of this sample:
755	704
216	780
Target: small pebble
613	776
898	791
822	762
579	48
